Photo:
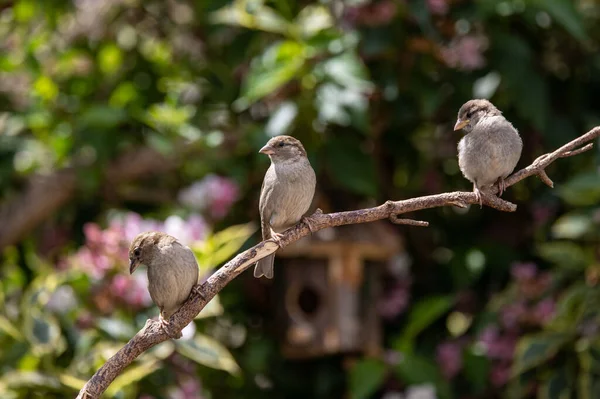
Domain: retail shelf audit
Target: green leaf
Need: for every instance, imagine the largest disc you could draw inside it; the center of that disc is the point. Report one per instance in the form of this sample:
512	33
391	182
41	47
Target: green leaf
30	380
417	369
350	166
110	59
313	19
45	87
132	375
572	225
279	64
101	116
366	376
570	307
421	316
212	309
72	382
534	350
557	386
8	328
582	190
476	370
115	328
257	17
566	14
43	333
167	116
208	352
566	254
220	247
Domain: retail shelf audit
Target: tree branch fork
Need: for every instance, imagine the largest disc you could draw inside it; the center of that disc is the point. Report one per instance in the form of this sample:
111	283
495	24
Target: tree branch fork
151	334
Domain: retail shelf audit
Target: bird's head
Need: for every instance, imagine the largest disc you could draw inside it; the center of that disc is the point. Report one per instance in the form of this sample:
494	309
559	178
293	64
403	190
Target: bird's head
142	248
283	148
472	112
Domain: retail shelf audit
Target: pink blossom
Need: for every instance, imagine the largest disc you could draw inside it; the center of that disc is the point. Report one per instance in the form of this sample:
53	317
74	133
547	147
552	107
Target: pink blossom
524	271
96	264
500	374
131	289
497	346
93	233
190	388
465	52
375	14
392	357
544	311
213	194
449	358
512	314
439	7
395	300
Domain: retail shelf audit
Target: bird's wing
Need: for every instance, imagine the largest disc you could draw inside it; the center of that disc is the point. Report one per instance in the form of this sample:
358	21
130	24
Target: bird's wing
265	205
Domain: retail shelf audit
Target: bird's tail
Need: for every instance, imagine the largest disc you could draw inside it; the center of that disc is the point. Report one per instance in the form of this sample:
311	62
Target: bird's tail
264	267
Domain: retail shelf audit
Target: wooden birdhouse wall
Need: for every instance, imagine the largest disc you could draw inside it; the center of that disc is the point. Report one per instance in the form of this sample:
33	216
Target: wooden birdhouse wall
330	291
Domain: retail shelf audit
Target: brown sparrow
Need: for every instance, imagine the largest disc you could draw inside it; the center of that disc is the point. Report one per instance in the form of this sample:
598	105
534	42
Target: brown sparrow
490	150
286	194
172	271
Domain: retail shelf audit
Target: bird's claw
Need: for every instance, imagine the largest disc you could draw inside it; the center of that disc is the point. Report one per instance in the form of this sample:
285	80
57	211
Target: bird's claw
478	196
501	186
197	290
277	237
307	220
166	327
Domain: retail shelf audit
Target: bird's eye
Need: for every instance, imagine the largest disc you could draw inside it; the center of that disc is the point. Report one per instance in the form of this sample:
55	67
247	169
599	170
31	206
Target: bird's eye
469	114
136	252
282	144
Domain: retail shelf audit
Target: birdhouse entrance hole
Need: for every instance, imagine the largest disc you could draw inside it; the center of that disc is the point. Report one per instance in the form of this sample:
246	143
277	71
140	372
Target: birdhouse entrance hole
309	300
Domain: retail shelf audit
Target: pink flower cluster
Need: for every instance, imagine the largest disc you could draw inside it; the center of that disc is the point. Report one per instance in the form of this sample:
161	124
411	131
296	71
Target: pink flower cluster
395	299
373	14
214	195
466	52
530	309
104	257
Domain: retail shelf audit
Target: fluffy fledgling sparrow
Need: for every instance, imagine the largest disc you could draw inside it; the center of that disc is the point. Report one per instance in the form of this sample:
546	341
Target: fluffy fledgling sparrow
286	194
172	270
491	147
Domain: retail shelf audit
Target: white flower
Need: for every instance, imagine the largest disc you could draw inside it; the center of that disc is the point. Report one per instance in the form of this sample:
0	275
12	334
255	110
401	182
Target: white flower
423	391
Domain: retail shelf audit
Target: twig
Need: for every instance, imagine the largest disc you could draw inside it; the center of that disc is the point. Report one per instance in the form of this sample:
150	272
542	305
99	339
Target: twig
151	334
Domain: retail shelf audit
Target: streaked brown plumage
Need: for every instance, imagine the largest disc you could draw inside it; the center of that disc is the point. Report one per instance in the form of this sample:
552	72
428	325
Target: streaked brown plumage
172	270
491	149
286	194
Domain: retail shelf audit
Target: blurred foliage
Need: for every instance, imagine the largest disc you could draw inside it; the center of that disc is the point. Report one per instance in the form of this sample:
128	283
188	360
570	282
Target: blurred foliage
484	304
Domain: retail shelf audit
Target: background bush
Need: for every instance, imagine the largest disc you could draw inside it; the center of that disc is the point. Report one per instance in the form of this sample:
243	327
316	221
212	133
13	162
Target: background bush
157	109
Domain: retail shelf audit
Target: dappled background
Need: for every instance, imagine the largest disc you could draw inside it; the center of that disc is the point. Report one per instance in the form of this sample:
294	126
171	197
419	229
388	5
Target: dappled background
121	116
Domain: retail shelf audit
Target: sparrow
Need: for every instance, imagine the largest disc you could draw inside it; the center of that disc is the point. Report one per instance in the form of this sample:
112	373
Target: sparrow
286	194
491	147
172	271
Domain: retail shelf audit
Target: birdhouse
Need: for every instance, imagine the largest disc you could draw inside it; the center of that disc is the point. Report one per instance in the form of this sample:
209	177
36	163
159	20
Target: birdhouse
330	290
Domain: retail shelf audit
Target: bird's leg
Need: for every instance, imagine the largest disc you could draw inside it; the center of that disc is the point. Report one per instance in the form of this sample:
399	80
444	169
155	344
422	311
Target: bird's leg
478	195
166	327
308	222
501	186
276	237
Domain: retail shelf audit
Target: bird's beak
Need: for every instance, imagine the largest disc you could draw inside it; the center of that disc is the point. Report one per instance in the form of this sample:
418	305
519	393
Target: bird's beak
268	150
133	265
461	123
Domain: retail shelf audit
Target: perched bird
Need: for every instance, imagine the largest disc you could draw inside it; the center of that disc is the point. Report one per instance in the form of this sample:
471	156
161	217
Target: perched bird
491	147
172	270
286	194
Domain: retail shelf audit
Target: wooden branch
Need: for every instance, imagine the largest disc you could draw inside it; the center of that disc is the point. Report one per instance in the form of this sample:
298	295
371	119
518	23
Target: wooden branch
151	334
